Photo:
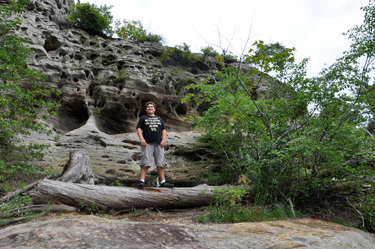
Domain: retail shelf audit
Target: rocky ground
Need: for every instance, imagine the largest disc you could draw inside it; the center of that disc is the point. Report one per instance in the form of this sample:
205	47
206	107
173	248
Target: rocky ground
161	229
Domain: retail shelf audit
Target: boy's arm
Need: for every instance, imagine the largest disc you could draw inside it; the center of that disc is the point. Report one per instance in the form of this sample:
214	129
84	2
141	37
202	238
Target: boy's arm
163	138
140	135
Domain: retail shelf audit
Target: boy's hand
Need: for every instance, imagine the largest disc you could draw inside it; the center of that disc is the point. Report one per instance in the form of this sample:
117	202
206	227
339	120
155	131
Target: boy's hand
143	143
163	143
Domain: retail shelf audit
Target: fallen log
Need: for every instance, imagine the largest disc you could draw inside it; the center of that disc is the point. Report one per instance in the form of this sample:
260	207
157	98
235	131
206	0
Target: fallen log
115	198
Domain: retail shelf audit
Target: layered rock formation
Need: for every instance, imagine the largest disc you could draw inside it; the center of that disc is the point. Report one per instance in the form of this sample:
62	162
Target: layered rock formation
105	84
96	232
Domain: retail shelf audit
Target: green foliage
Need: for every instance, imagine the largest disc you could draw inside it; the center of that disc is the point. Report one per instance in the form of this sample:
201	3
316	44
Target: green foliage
92	209
209	51
369	217
180	55
22	97
293	140
117	183
91	18
135	31
227	208
15	208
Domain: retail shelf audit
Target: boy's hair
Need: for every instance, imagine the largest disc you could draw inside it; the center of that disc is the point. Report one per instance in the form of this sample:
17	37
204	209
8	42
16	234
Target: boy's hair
150	103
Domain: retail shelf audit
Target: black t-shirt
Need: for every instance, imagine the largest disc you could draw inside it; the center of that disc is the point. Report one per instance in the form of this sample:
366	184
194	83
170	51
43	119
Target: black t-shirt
152	128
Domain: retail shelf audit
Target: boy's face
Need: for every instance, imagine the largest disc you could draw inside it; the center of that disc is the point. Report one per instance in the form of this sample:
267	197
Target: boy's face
150	109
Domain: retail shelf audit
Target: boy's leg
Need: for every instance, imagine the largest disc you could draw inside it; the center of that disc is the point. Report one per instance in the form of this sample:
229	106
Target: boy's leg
145	163
144	172
161	162
161	173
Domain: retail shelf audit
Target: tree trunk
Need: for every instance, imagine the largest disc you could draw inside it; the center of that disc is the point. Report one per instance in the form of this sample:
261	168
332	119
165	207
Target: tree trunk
109	197
78	169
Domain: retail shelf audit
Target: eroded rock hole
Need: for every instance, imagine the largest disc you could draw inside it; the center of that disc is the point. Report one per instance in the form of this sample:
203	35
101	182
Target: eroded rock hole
72	114
23	28
115	119
93	56
62	53
63	75
87	73
31	6
51	44
104	45
181	109
101	104
75	80
78	57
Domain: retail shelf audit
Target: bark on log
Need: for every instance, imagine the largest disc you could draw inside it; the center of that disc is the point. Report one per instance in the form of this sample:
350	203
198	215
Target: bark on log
78	169
109	197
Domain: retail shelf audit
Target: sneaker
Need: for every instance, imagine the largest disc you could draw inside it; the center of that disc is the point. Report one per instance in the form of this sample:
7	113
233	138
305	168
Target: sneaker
141	184
166	185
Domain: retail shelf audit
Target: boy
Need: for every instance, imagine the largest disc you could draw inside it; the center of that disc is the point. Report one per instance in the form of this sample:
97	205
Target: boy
153	135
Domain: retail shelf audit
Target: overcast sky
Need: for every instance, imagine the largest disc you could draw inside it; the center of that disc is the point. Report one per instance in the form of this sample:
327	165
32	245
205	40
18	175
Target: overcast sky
313	27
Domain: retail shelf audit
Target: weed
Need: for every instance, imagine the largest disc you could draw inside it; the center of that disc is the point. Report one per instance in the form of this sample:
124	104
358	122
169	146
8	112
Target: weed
117	183
92	209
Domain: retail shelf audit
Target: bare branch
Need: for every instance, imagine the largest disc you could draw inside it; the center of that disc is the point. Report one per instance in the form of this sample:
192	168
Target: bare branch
363	220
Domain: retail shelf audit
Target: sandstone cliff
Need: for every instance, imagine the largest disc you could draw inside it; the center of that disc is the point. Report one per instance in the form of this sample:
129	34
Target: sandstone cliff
105	84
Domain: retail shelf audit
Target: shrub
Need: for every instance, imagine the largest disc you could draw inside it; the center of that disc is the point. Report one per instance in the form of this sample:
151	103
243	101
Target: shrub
135	31
179	55
209	51
93	19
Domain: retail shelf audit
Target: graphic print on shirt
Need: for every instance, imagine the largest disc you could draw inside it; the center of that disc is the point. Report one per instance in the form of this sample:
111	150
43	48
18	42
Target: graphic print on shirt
153	123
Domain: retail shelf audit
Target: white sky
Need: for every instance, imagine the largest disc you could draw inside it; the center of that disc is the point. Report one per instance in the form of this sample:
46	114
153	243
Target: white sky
313	27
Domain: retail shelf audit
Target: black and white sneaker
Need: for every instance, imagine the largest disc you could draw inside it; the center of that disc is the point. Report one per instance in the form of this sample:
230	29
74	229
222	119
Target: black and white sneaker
141	184
166	185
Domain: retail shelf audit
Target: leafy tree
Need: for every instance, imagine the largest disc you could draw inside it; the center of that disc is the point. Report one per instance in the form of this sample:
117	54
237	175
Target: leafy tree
294	140
22	98
93	19
135	31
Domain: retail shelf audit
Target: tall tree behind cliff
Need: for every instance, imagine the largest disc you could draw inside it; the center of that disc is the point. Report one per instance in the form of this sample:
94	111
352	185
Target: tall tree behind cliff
22	97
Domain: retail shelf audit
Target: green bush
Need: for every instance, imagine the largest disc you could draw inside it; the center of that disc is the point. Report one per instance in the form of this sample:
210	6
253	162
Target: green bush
209	51
180	55
227	208
295	139
135	31
95	20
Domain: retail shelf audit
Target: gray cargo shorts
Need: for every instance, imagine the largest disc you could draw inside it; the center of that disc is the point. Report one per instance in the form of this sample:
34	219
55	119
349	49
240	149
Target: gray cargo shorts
152	151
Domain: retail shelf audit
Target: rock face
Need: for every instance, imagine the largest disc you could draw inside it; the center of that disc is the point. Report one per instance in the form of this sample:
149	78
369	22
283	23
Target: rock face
95	232
104	85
